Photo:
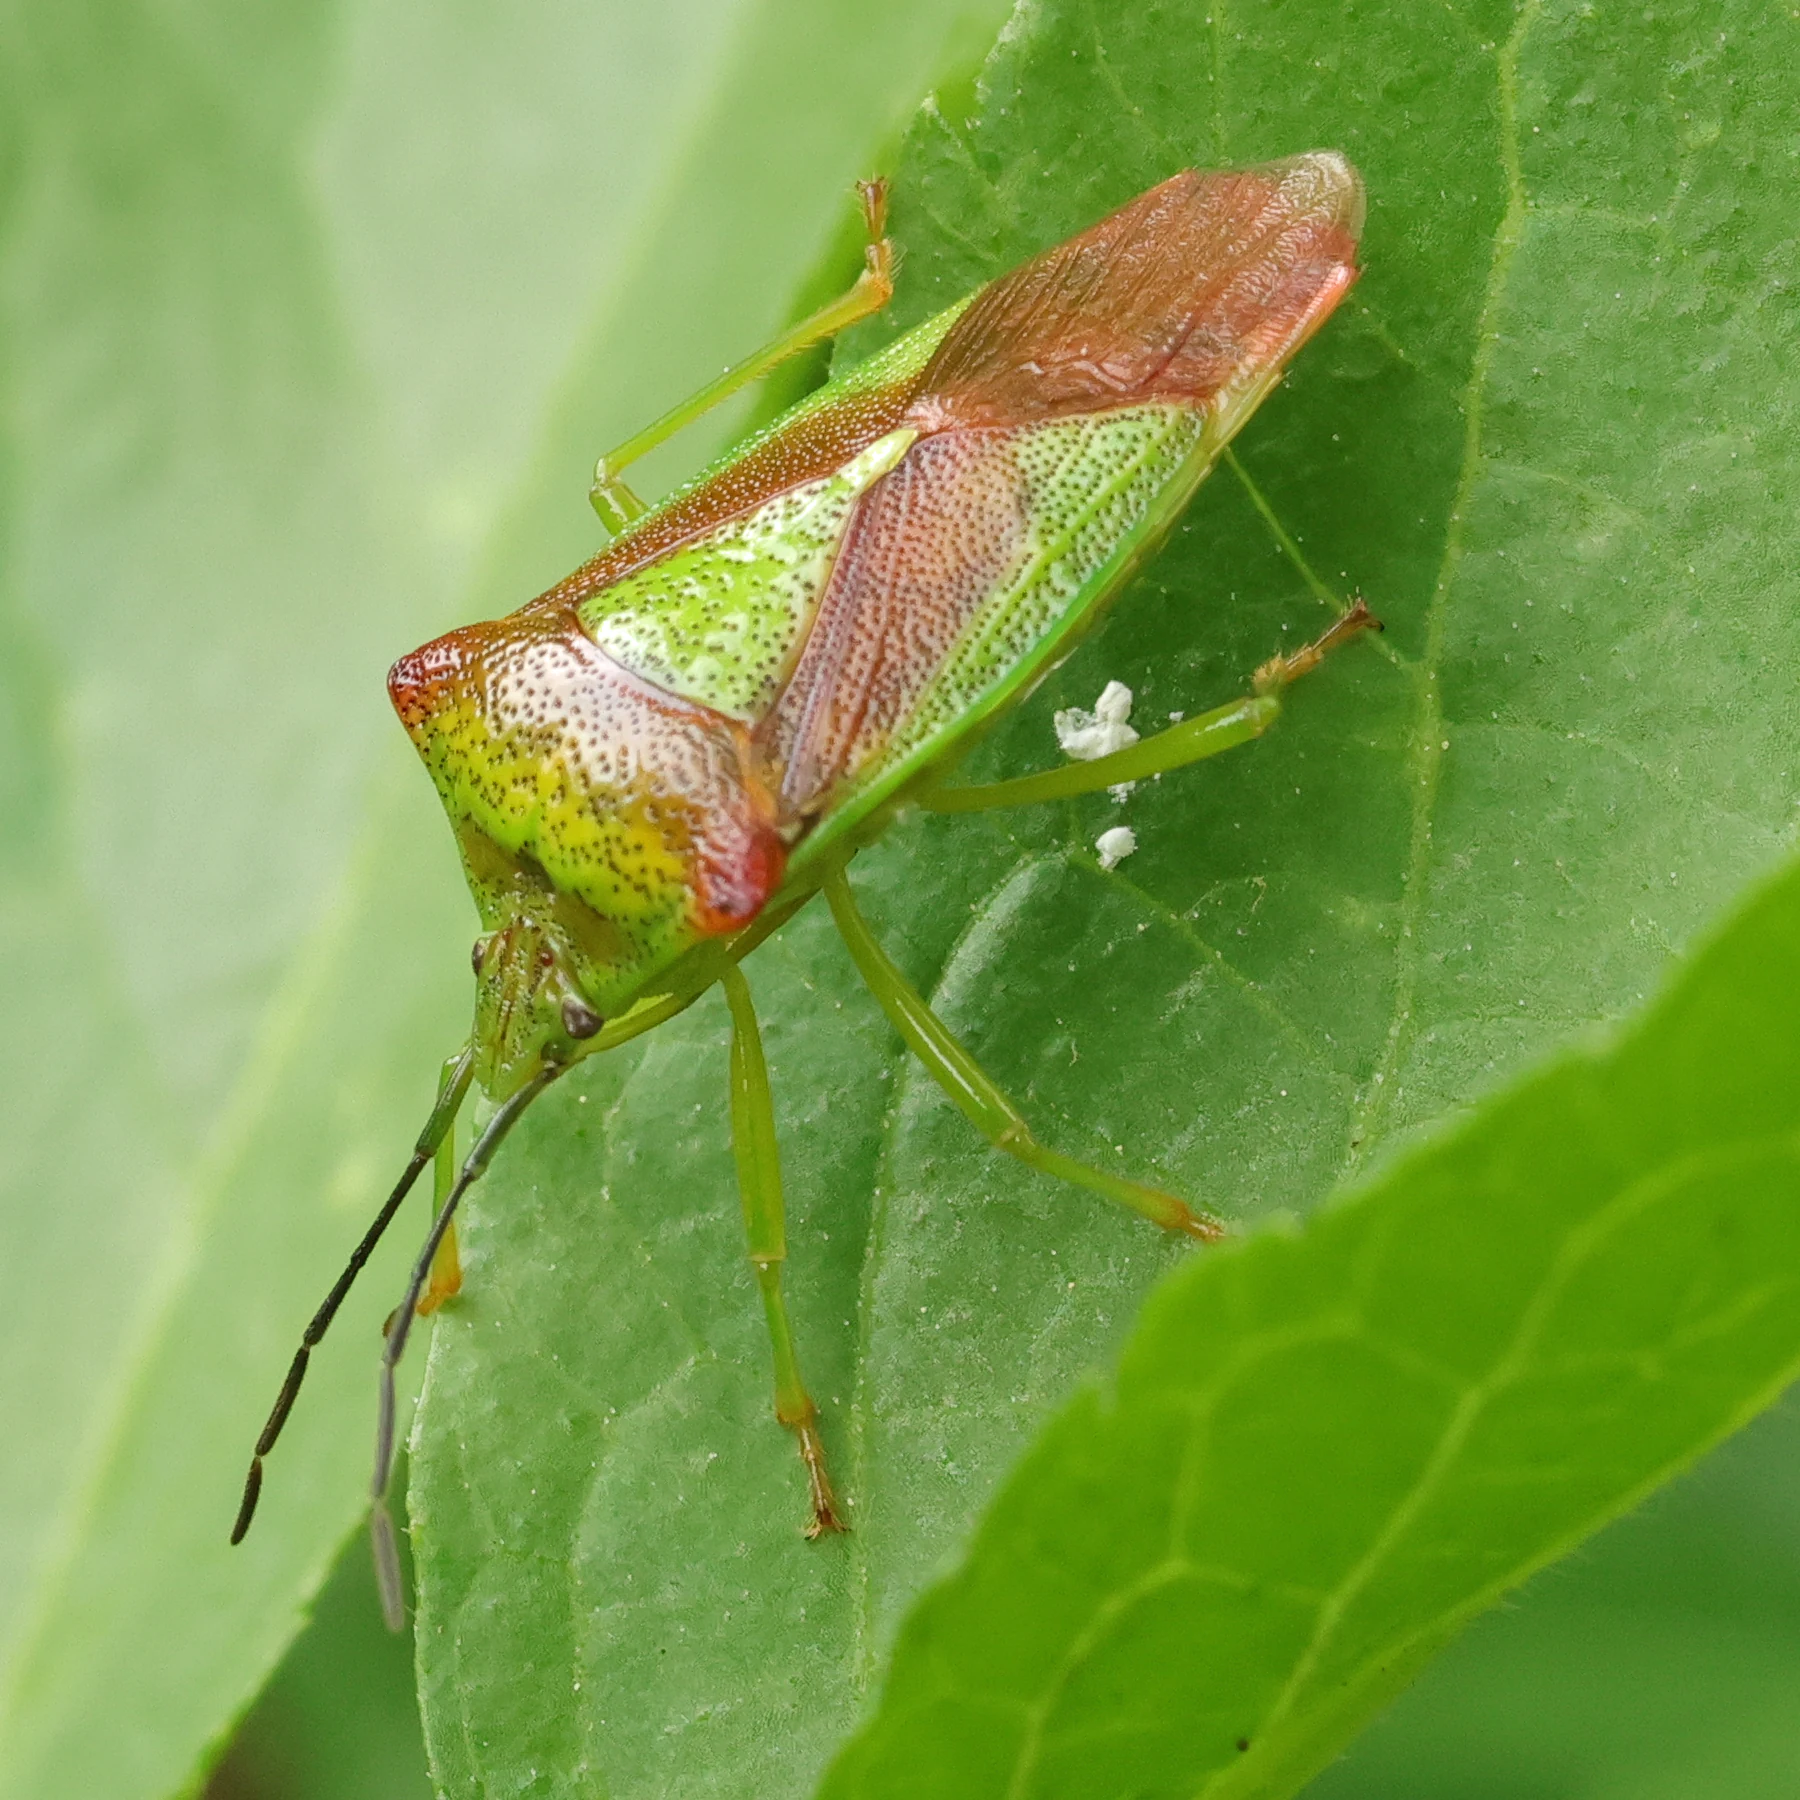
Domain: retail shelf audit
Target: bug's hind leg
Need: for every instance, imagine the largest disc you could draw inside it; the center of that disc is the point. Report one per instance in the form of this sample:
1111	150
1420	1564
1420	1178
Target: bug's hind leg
1189	742
613	499
759	1182
963	1079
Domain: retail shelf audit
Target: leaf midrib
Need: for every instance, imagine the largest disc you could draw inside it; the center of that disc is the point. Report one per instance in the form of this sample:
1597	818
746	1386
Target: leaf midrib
1425	765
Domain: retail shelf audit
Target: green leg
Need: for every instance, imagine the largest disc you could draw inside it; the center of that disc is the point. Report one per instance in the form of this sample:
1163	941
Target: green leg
1189	742
614	501
446	1267
963	1079
759	1182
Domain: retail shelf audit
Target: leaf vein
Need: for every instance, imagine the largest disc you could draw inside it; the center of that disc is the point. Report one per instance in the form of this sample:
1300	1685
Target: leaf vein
1426	763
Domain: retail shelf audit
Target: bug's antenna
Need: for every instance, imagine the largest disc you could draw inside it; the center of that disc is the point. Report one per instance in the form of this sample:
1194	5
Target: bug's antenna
450	1097
381	1523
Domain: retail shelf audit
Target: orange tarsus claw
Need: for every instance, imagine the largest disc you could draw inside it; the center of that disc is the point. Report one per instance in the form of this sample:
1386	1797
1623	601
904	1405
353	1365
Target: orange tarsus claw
1201	1225
826	1520
825	1523
1278	671
874	193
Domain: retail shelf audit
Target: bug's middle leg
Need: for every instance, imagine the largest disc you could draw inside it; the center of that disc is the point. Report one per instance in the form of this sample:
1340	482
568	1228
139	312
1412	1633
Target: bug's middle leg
759	1182
980	1100
1191	741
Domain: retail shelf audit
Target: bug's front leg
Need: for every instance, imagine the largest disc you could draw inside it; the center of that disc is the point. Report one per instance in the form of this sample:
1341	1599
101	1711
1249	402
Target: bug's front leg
1191	741
969	1085
445	1282
614	500
759	1182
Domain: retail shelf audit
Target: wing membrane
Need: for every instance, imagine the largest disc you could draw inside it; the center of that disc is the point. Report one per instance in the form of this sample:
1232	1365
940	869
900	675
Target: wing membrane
1172	297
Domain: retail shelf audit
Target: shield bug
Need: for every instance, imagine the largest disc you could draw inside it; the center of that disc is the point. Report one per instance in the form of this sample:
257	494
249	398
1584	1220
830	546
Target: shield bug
654	765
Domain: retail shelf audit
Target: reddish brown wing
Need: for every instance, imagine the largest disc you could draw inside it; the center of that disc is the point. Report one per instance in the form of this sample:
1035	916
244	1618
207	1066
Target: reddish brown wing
1172	296
1201	284
926	546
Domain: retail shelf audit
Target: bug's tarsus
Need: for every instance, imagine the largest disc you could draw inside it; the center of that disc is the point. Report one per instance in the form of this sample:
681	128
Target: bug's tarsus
1278	671
876	282
399	1329
1201	1225
826	1520
450	1096
874	195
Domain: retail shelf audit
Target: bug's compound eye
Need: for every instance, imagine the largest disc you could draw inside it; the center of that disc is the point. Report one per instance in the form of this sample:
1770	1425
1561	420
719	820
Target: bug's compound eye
579	1019
478	952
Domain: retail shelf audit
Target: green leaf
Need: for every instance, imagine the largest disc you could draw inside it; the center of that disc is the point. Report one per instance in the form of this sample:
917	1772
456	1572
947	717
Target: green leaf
1657	1662
1549	436
314	317
1324	1450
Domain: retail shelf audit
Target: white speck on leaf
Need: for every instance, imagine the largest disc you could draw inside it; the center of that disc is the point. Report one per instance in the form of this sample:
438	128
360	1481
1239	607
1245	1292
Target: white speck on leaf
1115	845
1087	736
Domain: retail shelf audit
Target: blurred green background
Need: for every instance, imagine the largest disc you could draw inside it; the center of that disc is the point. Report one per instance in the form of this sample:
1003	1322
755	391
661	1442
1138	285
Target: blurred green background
313	319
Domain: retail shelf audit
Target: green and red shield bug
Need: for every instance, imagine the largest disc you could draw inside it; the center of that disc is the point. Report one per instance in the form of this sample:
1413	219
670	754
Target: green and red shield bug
654	765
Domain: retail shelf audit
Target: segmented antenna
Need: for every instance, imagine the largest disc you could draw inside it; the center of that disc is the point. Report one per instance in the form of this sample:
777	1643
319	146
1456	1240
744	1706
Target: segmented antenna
451	1090
381	1523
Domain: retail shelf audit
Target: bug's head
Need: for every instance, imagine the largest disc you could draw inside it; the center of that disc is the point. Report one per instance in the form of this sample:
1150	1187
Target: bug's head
606	827
530	1012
